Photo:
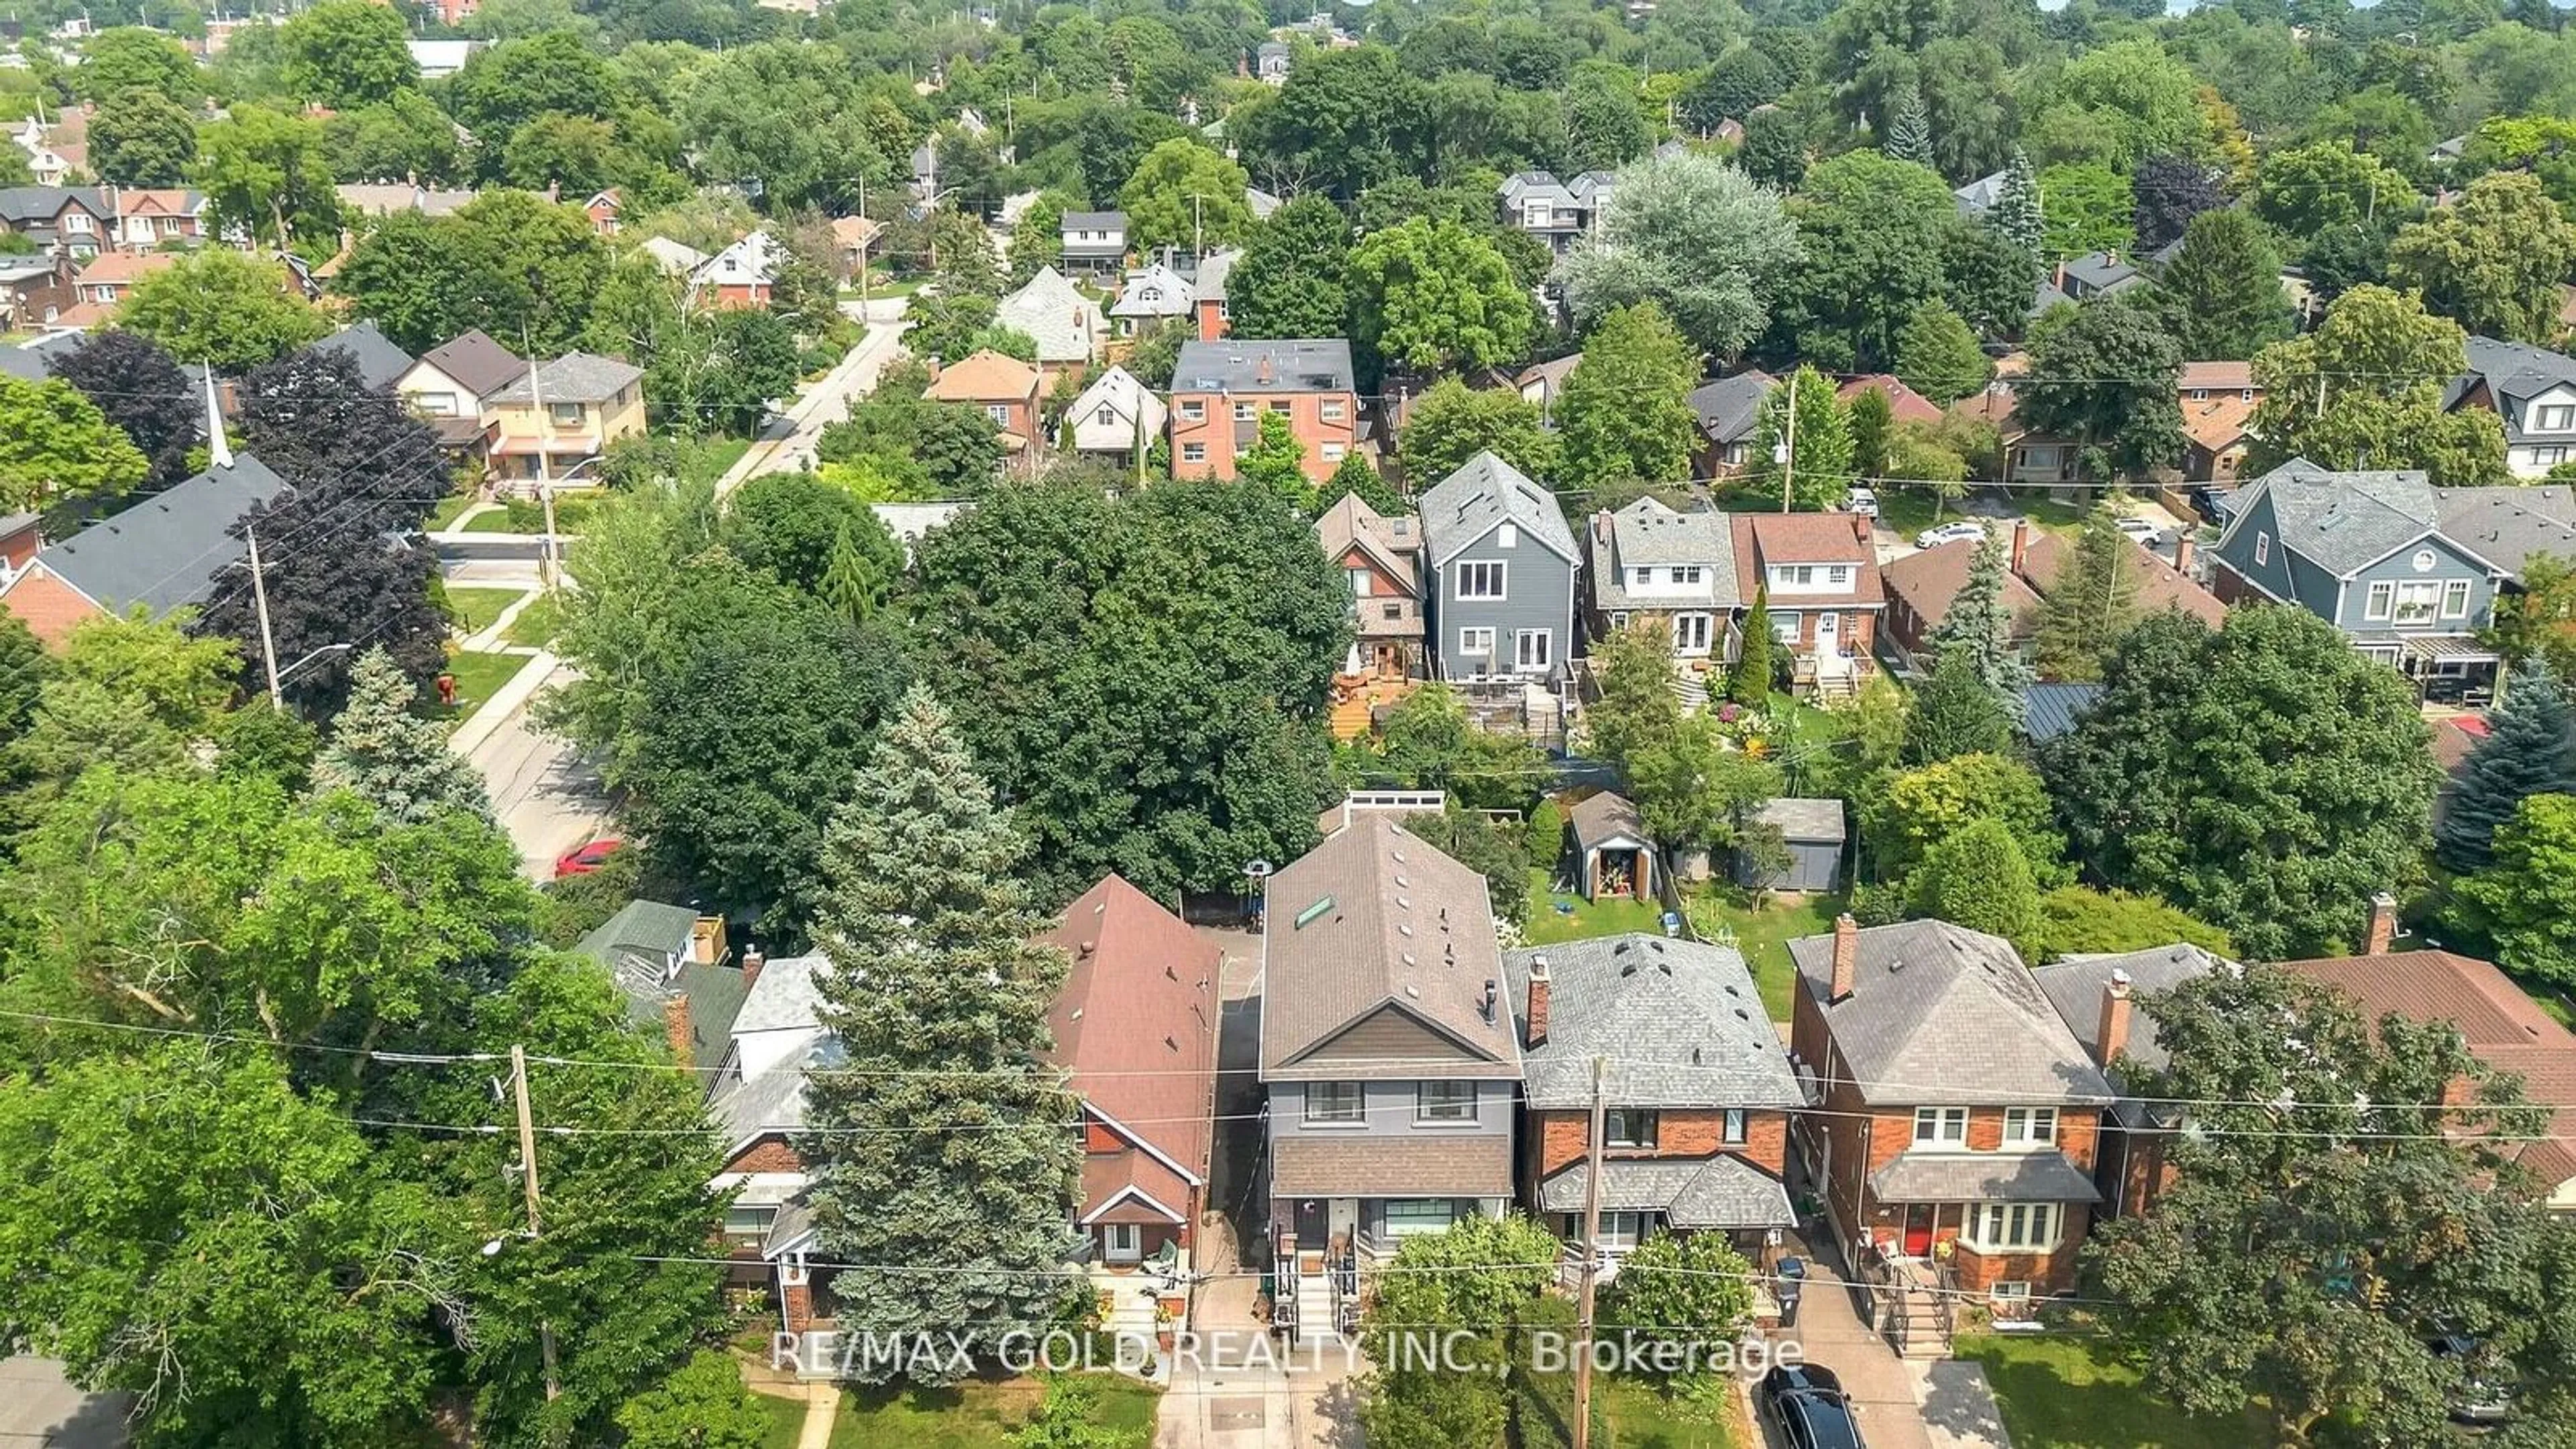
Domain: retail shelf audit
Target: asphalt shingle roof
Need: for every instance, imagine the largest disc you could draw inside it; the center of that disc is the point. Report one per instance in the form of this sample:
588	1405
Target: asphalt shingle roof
476	361
1066	324
169	549
1681	1022
575	377
1982	1177
380	362
2507	525
1605	816
1465	506
2075	985
1729	407
1693	1194
1808	820
2342	521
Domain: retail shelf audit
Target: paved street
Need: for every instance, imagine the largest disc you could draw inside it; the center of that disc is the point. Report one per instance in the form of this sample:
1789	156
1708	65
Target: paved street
789	440
40	1410
545	796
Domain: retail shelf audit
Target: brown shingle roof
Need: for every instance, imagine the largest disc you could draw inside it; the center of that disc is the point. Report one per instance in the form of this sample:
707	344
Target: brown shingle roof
1136	1020
1929	579
2215	424
475	360
1422	1166
2215	376
2160	585
1763	539
1903	403
986	376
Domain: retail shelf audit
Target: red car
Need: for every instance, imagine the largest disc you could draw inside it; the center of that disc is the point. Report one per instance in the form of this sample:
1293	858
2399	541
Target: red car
583	859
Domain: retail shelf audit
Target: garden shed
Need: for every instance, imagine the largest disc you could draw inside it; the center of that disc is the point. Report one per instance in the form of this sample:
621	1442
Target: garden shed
1813	832
1612	855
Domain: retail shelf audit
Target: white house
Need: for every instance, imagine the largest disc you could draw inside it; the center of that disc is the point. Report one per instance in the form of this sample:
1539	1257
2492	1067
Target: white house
1116	415
1154	294
1068	325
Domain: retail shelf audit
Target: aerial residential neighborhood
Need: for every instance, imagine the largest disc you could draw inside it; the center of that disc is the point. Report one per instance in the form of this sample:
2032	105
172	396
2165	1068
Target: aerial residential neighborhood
830	724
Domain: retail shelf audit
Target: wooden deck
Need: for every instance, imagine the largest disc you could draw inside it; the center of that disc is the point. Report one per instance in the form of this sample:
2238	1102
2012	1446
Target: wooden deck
1358	697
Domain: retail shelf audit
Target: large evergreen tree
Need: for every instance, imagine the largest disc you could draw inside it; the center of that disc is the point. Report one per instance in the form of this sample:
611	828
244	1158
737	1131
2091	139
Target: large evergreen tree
2017	212
2090	604
1979	630
942	1157
2530	749
1955	714
2221	294
395	760
1908	136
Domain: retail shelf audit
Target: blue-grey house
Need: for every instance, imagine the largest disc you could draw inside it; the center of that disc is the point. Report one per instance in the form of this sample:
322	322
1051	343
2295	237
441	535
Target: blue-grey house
2409	571
1498	575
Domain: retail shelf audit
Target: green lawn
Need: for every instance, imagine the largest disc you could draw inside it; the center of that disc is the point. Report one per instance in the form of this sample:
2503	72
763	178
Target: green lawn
534	628
478	674
1763	933
786	1421
521	516
475	607
1640	1417
975	1414
448	507
706	460
1587	919
2059	1392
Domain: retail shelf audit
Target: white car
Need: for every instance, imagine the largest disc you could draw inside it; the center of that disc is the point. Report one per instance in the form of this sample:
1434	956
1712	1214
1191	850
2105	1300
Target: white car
1955	531
2143	530
1861	501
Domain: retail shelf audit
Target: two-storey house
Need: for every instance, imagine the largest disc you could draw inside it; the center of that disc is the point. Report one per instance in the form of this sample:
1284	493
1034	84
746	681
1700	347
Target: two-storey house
1498	571
1649	563
1222	389
1381	556
147	217
1153	296
740	276
1209	311
1388	1051
1067	325
453	386
563	412
1093	241
1552	211
1005	388
1117	417
2532	392
57	218
2409	572
2097	997
1957	1116
1697	1092
1728	411
1819	573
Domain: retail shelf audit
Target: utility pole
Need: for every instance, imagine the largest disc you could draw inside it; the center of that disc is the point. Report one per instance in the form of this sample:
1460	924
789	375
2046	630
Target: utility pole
2321	390
1789	451
1198	241
528	1179
1591	1263
267	639
551	559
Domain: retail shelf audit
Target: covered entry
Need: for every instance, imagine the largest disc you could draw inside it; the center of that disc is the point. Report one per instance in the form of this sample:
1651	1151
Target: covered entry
1612	855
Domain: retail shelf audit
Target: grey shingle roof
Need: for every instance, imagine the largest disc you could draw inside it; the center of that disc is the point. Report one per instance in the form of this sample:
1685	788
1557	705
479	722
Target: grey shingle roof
2074	986
774	1101
2514	372
2507	525
1523	185
1981	194
22	364
476	361
1465	506
1812	821
380	363
44	203
582	377
1942	1014
1681	1022
784	998
642	933
1647	534
1375	918
169	549
2102	271
1214	268
1304	364
2342	521
1093	221
2049	710
1153	291
1692	1193
1065	323
1982	1177
1729	407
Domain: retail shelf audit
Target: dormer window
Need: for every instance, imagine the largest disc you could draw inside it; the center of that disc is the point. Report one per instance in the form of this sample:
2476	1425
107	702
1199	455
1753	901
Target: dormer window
2556	418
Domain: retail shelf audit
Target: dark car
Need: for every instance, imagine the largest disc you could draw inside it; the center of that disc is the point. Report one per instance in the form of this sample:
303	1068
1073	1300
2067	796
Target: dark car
1809	1405
583	859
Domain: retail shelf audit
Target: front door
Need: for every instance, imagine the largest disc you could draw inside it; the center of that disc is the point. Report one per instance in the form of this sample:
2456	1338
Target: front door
1310	1225
1918	1229
1122	1242
1828	635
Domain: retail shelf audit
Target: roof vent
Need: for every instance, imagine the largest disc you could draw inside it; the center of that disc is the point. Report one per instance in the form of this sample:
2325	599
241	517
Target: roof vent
1412	991
1402	882
1087	947
1695	1050
1404	903
1404	928
1408	960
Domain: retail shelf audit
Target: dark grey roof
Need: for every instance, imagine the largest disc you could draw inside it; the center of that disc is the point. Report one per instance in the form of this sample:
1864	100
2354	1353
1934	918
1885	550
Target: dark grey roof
44	203
2101	271
1093	221
24	365
1981	194
1522	185
582	377
1942	1014
1681	1022
1809	821
2341	521
2045	296
774	1101
1982	1177
1485	491
1729	408
1304	364
380	363
2074	986
646	948
2506	526
476	361
168	549
1692	1193
2049	709
2514	372
1375	920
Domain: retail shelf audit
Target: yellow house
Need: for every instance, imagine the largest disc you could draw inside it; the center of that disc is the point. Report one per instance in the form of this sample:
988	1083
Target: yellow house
566	410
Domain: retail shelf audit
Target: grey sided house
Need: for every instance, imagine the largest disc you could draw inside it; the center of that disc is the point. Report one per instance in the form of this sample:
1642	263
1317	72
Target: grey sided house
1498	586
1388	1051
2408	571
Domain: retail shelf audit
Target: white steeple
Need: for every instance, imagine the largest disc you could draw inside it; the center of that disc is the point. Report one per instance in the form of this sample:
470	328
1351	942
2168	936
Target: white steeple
219	454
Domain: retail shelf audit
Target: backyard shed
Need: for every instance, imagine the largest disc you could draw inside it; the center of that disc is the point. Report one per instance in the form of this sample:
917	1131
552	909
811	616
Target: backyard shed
1612	855
1813	832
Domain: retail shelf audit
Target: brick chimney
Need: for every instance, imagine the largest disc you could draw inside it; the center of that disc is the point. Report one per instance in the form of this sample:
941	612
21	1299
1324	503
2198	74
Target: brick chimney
675	1021
2186	549
752	961
1534	1024
1846	956
2383	925
1261	371
2112	1038
2020	542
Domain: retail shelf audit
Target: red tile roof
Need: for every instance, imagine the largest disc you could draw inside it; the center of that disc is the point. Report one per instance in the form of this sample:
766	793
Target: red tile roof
1136	1022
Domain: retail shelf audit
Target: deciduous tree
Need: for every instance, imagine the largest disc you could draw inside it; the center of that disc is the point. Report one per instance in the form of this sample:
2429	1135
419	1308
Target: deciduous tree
2491	261
1433	297
1690	1290
519	267
2170	191
1186	196
223	309
1694	235
1292	278
56	447
2104	373
343	53
1937	356
1870	229
1819	471
140	390
2524	900
2368	384
264	171
1625	413
1452	423
1978	878
142	138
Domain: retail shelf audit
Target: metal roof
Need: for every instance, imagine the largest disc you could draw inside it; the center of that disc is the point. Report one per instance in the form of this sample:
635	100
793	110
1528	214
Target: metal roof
2049	710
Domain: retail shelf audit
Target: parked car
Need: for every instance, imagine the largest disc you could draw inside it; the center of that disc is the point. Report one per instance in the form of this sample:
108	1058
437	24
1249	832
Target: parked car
1862	501
2480	1400
2143	530
585	858
1954	531
1808	1403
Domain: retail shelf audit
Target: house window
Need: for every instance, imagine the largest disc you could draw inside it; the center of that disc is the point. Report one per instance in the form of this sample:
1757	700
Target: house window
1630	1127
1445	1102
1838	574
2012	1295
1279	406
1507	536
1688	574
2029	1226
749	1224
2030	1126
1331	410
1359	582
1940	1126
1619	619
1408	1217
2375	604
1000	413
1243	412
1480	581
2417	599
2557	418
1334	1103
1392	612
1193	452
1533	649
1690	633
1784	628
564	415
2262	548
1732	1133
1476	643
1640	578
1106	415
1194	410
2455	599
436	404
2549	457
1623	1229
76	222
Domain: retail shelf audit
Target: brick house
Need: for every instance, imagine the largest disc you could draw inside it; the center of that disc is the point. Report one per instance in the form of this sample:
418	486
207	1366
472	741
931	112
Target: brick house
147	217
1381	555
173	548
1221	390
2096	996
1003	387
1959	1118
1698	1091
1824	595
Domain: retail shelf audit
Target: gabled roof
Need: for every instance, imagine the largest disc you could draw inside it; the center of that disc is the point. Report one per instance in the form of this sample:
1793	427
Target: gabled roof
1066	323
2101	271
1605	816
1118	390
1375	924
1394	542
985	376
1153	291
170	548
679	259
1981	194
646	947
1135	1024
1764	539
2216	424
1729	407
477	362
1929	581
1811	821
786	997
755	259
2340	521
2076	984
2505	526
1903	403
1681	1022
2217	376
2514	373
1525	185
1093	221
1208	285
2160	585
575	377
19	204
380	363
1235	364
1941	1014
1465	506
112	268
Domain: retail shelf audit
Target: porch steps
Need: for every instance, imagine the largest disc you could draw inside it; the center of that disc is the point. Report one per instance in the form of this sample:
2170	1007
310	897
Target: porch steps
1315	1310
1914	1325
1691	688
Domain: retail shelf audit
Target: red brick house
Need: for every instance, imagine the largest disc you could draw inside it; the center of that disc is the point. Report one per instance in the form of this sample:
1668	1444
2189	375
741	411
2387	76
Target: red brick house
1958	1118
2097	998
1007	390
1221	390
1824	594
1699	1093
